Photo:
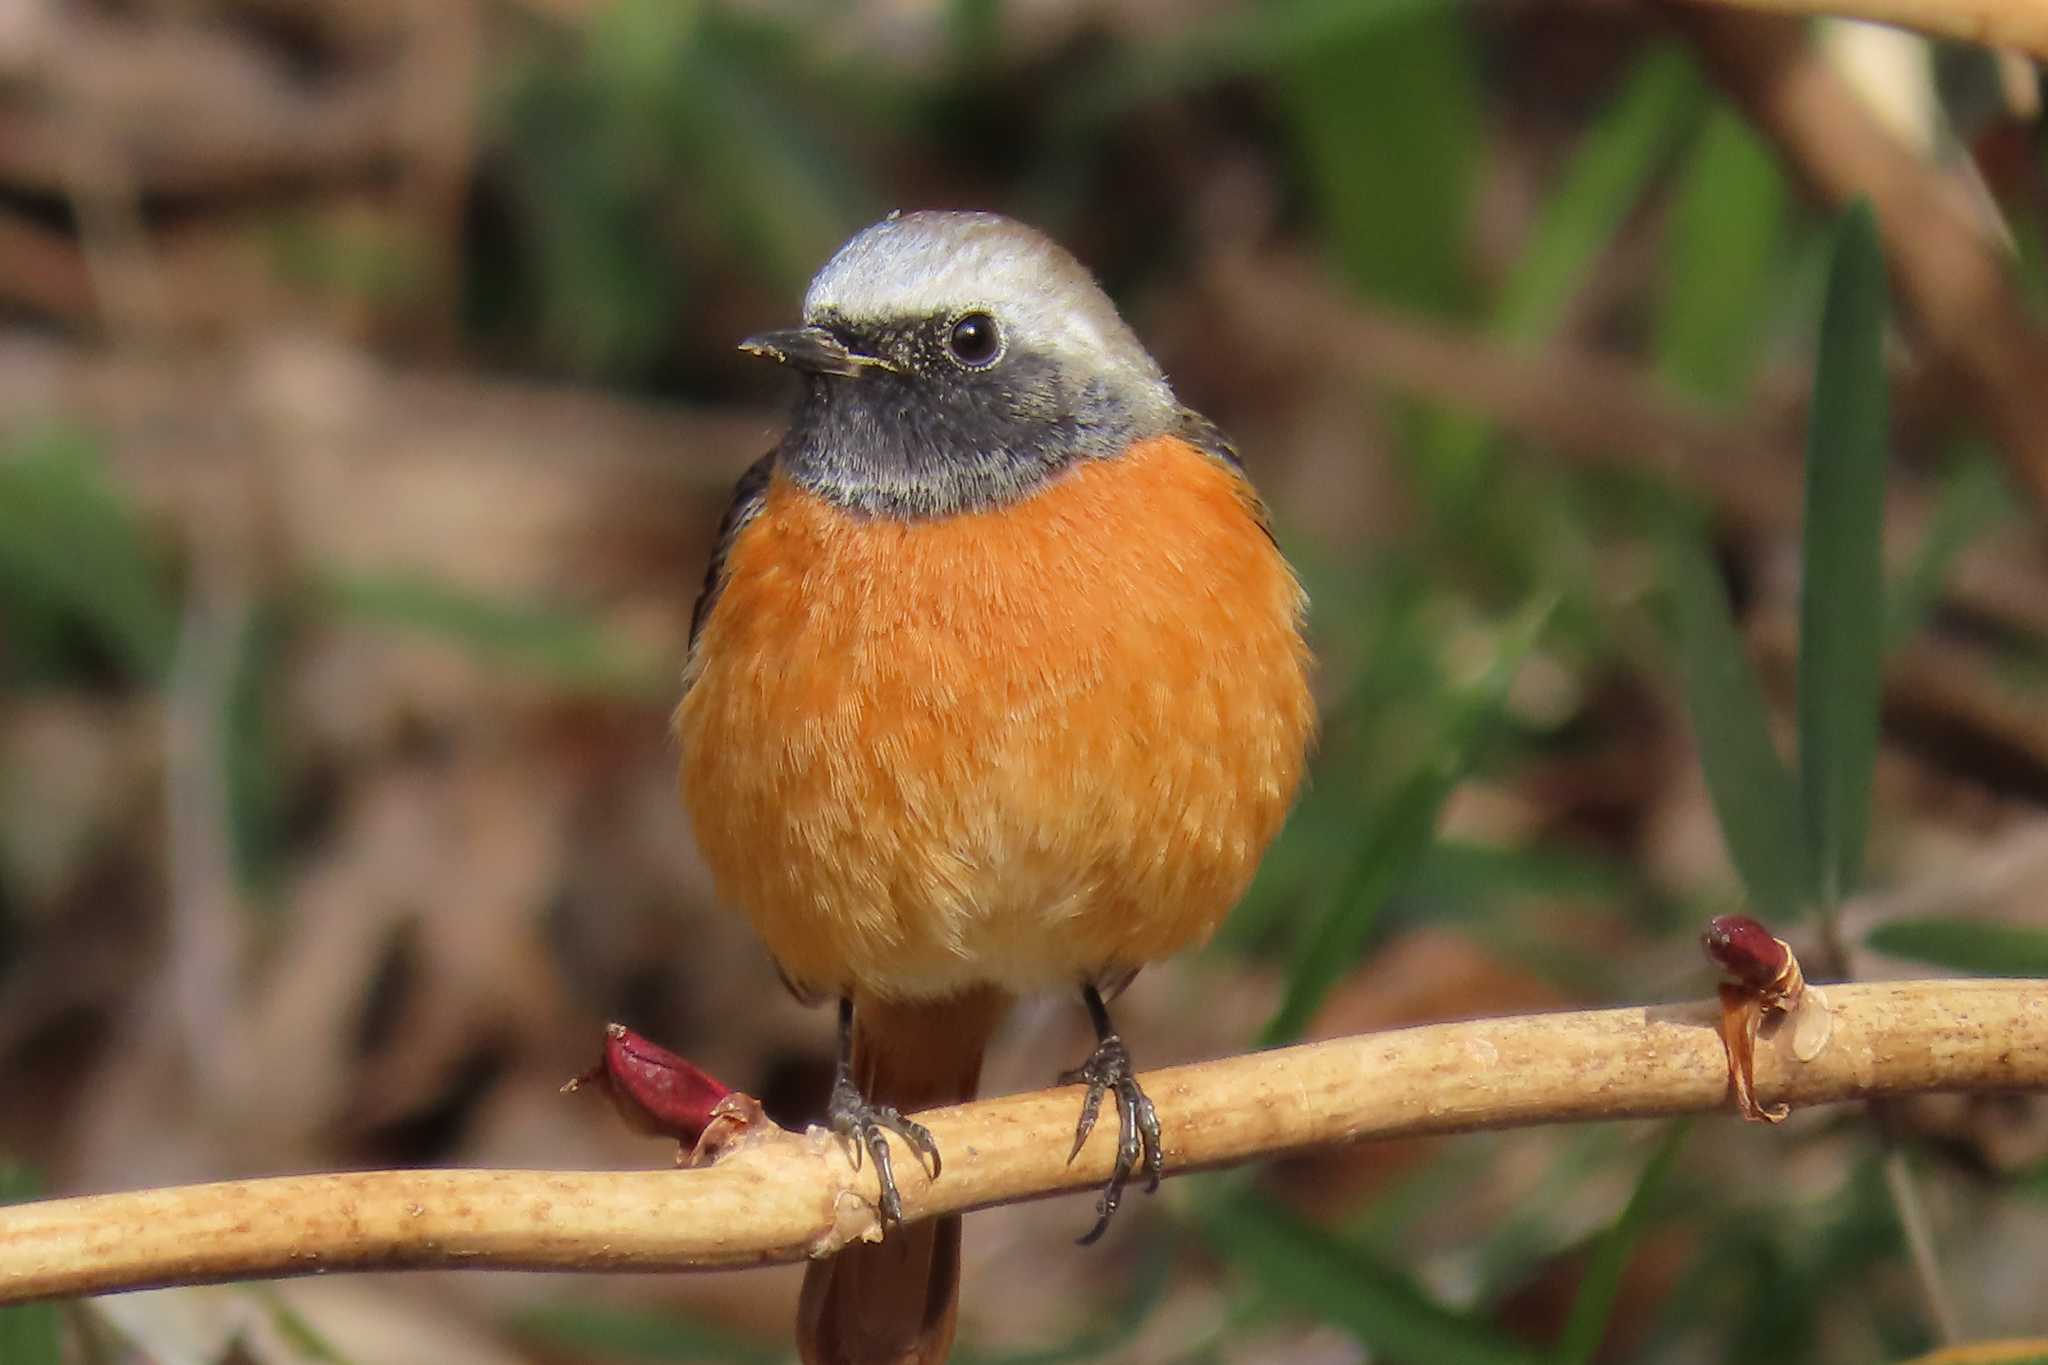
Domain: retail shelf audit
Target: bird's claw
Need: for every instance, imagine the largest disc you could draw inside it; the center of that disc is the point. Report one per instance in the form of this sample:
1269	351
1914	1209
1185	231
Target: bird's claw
866	1125
1109	1069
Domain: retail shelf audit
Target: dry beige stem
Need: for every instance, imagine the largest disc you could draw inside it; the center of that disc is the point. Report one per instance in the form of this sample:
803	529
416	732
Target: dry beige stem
1953	275
1607	410
786	1197
2020	24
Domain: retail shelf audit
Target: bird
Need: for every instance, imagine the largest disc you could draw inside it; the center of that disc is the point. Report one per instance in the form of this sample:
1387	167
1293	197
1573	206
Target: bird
997	685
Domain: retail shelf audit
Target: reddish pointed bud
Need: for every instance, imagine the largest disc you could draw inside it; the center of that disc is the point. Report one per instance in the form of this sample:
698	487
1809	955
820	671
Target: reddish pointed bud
655	1091
1765	980
1743	948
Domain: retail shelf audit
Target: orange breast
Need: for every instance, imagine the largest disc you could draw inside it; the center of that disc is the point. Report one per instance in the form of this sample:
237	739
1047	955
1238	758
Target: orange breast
1017	747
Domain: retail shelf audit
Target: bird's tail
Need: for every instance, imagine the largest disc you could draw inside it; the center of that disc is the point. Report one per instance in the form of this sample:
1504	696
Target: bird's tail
895	1302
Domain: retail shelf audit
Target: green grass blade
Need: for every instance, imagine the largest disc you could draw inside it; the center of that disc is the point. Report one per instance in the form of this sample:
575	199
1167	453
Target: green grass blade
570	650
1397	840
71	546
1304	1266
253	748
1726	223
1409	91
1841	608
976	31
1377	614
1231	44
1602	184
1586	1328
30	1334
1392	849
1473	876
665	123
1974	500
1980	946
1754	794
307	1344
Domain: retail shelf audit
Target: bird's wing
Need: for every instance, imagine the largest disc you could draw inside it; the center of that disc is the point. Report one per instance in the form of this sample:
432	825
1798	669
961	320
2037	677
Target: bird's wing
747	496
1205	436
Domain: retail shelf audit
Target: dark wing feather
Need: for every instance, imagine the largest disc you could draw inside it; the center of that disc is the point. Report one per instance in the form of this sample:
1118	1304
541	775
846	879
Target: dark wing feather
1205	436
747	496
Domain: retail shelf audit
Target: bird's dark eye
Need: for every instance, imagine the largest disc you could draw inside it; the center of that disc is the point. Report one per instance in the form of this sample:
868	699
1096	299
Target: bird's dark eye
974	340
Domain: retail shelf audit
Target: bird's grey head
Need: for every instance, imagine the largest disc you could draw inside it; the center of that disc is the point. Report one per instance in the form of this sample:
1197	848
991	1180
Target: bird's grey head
955	361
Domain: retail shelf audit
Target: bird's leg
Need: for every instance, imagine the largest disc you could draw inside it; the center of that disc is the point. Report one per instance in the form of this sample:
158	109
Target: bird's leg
1108	1069
864	1124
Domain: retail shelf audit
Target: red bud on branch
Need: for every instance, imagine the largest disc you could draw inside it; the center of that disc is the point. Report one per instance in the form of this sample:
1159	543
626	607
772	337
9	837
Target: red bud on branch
1743	948
660	1094
1764	980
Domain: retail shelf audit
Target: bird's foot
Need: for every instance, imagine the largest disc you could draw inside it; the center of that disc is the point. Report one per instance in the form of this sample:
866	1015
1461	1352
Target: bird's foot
866	1125
1108	1070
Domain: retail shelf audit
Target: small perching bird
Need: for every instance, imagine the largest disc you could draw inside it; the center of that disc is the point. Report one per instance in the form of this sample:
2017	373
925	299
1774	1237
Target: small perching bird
997	685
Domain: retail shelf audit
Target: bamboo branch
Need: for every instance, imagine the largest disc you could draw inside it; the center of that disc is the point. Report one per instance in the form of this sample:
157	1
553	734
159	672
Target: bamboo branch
2021	24
783	1196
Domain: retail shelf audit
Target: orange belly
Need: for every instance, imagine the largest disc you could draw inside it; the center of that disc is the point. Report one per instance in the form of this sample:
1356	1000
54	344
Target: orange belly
1023	747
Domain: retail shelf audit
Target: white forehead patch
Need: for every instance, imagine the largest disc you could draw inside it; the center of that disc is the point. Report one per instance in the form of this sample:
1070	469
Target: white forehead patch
915	265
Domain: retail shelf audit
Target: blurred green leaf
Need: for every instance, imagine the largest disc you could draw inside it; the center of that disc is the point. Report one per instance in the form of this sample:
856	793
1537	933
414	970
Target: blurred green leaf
71	548
1388	124
1152	1278
785	196
1384	1224
252	750
638	1334
1392	846
1376	614
1773	1288
1468	874
1397	837
2029	236
602	309
1753	792
1601	184
1545	1224
1974	501
673	137
375	261
302	1338
1230	44
29	1333
1980	946
1726	224
1586	1328
976	31
568	649
1841	604
1305	1266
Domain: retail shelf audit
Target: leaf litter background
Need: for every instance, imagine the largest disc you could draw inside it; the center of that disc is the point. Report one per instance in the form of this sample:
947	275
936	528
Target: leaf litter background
368	397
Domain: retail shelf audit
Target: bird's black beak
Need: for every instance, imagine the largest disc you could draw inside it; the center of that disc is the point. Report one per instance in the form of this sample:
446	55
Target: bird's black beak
812	350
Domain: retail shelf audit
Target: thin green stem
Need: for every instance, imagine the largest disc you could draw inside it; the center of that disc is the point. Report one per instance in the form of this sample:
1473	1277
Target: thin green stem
1919	1232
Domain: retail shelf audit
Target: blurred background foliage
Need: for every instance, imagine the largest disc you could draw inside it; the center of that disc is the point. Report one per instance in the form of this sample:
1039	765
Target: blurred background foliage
368	398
